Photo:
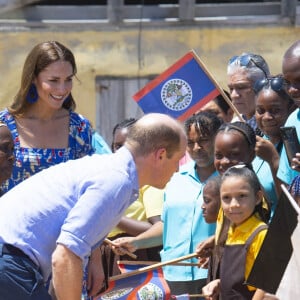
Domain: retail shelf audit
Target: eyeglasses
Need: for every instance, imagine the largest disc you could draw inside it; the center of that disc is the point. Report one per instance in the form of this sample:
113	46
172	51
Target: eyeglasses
245	60
276	83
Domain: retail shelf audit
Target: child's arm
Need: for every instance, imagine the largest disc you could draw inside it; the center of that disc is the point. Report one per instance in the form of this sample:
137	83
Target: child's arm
261	295
204	248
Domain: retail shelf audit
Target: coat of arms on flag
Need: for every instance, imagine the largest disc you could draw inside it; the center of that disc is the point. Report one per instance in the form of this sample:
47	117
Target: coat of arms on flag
145	286
180	90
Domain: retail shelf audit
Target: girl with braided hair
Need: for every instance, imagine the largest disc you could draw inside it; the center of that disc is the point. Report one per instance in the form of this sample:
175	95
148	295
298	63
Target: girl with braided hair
234	144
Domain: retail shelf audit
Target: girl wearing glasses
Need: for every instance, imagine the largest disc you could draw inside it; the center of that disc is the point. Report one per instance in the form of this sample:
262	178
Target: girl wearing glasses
241	200
273	106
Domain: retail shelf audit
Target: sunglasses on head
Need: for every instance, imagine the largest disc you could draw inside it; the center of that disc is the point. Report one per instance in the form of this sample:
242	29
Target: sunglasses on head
245	61
275	83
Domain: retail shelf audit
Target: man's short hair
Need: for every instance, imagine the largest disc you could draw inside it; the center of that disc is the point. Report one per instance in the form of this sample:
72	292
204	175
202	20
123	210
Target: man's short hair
154	136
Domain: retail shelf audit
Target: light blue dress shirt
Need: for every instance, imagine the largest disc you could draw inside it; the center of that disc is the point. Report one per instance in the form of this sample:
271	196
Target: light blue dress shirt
184	224
75	203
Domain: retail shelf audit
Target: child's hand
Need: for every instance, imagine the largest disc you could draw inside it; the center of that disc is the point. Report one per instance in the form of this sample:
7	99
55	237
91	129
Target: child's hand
204	249
203	262
123	245
212	290
296	162
270	297
262	295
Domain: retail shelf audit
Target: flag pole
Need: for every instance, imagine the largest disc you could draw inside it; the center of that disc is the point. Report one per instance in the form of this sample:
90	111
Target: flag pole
149	262
152	267
291	199
217	86
189	296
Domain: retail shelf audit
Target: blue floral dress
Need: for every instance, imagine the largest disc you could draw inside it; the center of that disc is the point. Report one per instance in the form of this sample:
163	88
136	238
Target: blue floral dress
29	161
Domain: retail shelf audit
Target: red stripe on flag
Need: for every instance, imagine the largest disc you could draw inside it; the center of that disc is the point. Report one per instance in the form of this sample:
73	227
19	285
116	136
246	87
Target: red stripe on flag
164	284
199	104
163	76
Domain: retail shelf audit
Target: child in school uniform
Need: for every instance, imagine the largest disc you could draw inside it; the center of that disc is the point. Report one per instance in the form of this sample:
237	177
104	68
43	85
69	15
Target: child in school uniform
241	201
211	199
210	209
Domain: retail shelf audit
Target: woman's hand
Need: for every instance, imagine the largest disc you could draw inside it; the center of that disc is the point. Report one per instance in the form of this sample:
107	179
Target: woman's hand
266	151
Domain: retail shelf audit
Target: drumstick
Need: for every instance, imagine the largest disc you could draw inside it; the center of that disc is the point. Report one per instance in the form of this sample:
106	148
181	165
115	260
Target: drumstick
109	242
192	296
152	267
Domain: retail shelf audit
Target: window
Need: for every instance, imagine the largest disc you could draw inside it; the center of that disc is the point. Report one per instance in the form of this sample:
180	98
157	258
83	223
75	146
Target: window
114	102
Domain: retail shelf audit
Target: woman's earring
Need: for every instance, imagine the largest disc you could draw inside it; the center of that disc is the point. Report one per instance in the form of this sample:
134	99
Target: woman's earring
67	99
32	95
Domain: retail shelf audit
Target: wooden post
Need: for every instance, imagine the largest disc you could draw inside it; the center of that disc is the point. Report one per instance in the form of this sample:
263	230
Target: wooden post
288	9
186	10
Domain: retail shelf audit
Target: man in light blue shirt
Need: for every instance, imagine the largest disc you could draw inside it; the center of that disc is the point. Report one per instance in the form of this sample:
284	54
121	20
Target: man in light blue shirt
291	73
183	226
285	172
51	222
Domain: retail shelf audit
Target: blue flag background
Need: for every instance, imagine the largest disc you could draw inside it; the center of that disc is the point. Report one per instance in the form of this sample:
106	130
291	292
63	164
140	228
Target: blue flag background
180	90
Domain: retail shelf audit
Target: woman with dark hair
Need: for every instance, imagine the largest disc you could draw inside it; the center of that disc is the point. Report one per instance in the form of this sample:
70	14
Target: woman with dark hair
41	118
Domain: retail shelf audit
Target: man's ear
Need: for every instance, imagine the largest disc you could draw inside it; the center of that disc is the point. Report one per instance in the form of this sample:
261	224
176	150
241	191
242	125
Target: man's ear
160	153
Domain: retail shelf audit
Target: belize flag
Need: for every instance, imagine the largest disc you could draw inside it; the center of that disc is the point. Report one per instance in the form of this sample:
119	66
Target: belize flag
145	286
180	90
